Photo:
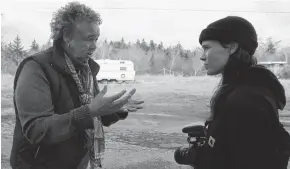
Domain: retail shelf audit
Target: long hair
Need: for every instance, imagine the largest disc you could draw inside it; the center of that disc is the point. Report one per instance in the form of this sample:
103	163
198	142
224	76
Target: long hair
237	63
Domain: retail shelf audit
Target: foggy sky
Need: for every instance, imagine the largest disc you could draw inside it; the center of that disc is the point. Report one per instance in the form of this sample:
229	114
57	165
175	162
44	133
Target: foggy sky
170	21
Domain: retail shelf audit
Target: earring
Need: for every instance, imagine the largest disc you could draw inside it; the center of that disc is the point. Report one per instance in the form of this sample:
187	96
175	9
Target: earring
68	45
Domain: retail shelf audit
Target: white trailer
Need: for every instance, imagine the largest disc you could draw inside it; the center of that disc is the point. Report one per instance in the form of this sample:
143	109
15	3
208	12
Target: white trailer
116	70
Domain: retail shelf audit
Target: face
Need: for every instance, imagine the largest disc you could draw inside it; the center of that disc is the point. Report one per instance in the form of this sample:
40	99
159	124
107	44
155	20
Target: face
83	40
215	57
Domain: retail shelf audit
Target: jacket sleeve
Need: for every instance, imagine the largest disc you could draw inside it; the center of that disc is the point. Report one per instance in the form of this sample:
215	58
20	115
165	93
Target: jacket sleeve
248	126
39	122
108	120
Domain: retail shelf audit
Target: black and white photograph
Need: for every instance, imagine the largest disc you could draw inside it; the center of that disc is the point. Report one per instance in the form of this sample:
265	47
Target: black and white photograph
155	84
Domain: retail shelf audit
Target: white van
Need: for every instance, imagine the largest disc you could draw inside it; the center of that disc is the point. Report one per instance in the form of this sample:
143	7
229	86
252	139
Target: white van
116	70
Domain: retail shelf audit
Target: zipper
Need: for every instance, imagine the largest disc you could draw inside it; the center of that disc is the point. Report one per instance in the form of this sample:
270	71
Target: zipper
35	156
36	152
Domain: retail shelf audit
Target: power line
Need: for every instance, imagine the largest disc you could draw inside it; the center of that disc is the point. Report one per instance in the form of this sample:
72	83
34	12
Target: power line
194	10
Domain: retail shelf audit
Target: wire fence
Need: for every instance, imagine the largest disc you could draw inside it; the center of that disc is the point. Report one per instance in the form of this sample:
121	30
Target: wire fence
164	71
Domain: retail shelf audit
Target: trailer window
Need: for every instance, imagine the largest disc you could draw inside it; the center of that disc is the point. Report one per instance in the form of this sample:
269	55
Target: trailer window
123	68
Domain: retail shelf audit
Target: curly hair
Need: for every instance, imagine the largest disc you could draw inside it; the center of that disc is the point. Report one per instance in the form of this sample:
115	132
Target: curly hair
68	15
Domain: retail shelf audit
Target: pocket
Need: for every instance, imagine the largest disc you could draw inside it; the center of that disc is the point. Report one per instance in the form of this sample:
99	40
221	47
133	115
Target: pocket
28	153
23	163
27	156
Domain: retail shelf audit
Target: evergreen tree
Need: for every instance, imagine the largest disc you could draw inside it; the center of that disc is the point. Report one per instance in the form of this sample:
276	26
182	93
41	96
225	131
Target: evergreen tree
152	45
160	46
144	45
111	43
34	46
17	50
138	44
17	46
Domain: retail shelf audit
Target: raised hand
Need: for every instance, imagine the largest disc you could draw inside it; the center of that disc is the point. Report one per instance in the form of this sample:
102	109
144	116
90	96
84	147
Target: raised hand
133	105
101	105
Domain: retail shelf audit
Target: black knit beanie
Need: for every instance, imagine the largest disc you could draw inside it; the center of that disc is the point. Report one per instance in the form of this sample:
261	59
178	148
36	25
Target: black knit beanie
232	29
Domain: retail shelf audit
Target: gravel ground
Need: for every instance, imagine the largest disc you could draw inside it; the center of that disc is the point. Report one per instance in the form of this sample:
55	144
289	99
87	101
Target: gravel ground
147	138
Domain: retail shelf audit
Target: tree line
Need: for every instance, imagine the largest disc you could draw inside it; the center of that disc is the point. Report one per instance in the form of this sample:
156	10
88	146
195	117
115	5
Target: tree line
13	53
149	57
153	58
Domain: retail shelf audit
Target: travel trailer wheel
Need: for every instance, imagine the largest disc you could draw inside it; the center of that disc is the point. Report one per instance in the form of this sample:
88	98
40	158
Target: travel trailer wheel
104	81
113	81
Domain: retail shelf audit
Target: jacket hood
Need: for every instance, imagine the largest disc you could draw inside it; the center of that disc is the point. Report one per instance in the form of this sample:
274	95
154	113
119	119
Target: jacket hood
260	76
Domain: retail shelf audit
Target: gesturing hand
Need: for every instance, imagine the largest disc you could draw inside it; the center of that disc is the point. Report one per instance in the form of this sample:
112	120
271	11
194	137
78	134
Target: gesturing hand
133	105
101	105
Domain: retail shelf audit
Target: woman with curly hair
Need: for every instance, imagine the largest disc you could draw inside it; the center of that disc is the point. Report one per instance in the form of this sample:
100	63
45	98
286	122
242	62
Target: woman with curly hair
59	109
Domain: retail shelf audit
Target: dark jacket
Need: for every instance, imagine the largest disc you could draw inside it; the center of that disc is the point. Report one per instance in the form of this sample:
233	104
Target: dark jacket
246	132
50	121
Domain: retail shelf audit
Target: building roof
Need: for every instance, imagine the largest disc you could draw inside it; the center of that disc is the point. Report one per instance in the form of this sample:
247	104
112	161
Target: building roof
109	61
273	62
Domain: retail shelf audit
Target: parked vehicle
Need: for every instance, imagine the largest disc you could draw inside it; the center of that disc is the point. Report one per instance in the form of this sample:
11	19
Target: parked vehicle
116	70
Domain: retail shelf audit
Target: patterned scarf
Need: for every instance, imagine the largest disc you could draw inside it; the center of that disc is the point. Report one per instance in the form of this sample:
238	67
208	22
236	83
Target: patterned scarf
95	137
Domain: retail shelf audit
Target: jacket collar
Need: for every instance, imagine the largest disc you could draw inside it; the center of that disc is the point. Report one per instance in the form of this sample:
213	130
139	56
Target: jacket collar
58	61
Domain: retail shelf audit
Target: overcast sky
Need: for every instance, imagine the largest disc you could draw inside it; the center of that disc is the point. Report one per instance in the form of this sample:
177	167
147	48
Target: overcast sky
149	19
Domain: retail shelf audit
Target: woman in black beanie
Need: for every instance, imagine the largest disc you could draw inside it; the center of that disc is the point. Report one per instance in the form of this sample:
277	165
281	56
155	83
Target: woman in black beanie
244	131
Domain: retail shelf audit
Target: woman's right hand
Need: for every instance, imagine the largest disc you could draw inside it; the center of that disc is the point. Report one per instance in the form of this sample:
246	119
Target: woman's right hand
101	105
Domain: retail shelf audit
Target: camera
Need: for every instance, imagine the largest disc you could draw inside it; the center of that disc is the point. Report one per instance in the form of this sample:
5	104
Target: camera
196	139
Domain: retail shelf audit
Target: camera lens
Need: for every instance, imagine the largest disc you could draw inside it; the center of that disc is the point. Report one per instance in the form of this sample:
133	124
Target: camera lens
181	155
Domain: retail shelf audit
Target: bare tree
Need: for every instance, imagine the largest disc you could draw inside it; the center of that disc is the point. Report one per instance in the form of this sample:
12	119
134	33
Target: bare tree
196	62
